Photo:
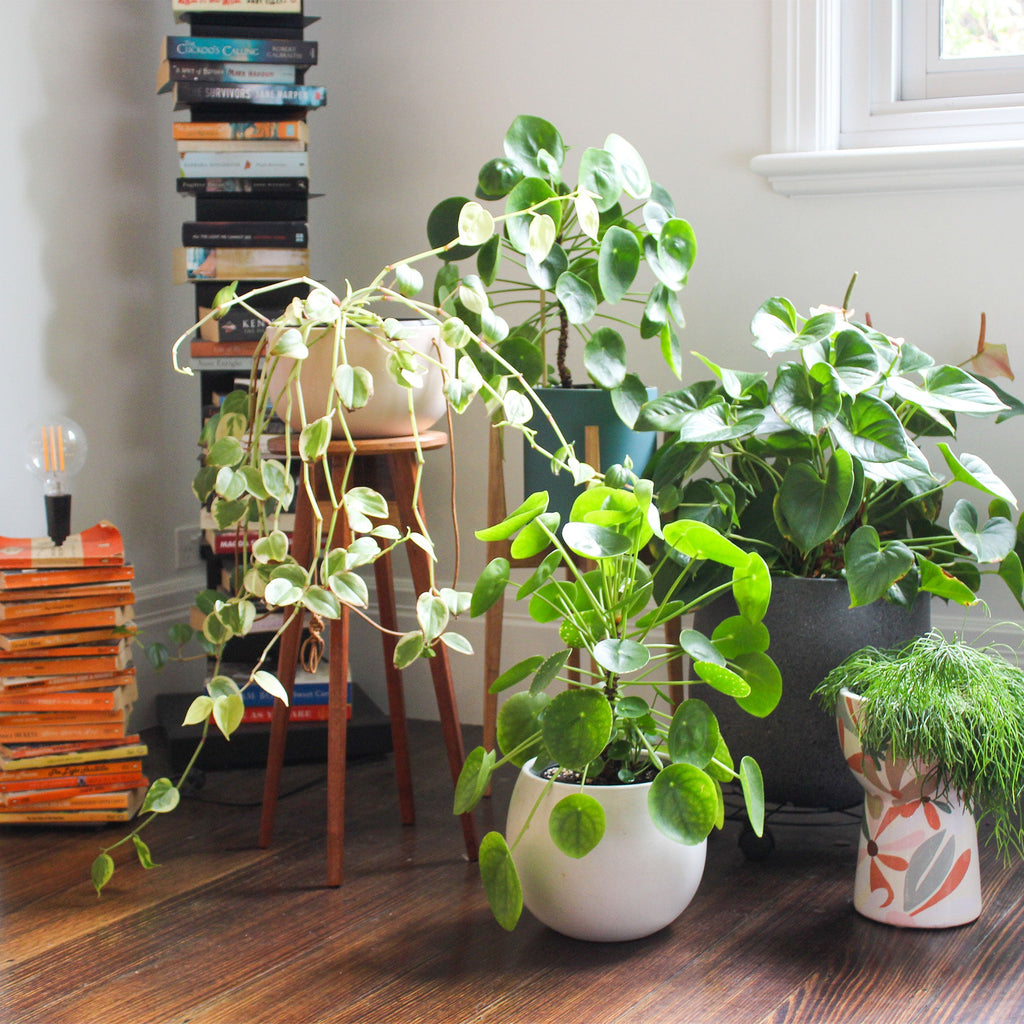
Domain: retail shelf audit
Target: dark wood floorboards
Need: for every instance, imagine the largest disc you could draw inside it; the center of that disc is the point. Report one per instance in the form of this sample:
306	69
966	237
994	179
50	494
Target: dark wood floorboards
225	932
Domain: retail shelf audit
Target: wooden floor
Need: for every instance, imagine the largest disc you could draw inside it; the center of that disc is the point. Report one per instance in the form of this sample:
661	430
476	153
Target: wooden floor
225	932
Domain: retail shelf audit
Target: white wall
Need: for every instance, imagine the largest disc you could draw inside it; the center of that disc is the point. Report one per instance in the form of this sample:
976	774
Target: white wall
420	94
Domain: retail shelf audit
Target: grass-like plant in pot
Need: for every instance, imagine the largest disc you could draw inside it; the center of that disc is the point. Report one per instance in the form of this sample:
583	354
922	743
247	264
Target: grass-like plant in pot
614	734
934	732
595	269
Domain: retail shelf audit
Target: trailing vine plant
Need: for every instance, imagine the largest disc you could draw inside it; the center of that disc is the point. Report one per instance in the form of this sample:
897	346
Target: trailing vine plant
246	488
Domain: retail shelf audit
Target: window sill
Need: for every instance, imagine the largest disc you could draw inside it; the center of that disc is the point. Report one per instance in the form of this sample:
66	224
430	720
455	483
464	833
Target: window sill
894	169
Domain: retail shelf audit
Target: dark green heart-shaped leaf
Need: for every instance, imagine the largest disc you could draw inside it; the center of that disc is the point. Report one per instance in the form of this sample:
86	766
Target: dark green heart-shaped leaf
935	580
872	431
774	326
872	569
990	543
813	508
974	472
808	400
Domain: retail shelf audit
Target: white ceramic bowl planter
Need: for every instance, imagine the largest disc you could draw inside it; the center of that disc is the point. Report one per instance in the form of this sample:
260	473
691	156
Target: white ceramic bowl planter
387	412
633	883
917	863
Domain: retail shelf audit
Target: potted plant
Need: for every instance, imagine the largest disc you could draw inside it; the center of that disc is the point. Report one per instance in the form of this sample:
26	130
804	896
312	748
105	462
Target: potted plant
834	470
245	487
934	733
619	786
569	274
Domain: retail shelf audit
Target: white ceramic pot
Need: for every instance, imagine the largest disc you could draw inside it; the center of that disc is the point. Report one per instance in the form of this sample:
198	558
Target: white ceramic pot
387	412
917	863
633	883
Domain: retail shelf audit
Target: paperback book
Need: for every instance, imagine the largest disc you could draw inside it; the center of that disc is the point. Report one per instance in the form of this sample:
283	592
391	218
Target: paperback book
249	163
263	187
171	71
299	52
242	94
238	131
196	263
246	234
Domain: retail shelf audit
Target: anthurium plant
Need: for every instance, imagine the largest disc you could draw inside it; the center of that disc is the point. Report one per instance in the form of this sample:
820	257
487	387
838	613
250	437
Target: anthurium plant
617	723
838	465
245	487
567	267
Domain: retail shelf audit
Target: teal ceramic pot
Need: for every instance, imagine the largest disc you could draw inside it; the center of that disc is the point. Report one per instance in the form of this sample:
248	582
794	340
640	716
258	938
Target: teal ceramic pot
575	409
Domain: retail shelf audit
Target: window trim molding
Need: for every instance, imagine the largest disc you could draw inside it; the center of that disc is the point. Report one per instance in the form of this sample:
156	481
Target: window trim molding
807	158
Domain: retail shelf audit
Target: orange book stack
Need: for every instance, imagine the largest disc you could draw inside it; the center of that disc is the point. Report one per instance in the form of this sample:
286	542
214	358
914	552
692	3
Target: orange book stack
66	681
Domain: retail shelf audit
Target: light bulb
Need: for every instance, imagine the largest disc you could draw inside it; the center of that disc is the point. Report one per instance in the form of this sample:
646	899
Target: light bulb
55	453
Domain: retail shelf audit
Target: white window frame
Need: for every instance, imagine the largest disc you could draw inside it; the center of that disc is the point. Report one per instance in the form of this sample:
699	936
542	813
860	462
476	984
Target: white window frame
836	133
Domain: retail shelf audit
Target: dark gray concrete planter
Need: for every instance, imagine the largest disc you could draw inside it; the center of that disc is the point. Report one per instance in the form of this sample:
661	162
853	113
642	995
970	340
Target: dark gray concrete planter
812	630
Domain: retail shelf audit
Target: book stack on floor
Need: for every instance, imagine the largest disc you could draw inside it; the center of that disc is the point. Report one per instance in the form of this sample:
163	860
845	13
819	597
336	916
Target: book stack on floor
66	681
237	70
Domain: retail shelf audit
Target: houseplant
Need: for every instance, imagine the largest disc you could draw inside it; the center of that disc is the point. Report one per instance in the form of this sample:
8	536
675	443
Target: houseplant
614	728
571	276
934	732
246	490
835	471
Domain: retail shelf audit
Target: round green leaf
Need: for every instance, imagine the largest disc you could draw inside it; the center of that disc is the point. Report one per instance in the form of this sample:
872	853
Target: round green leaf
577	297
604	357
721	678
618	262
474	778
621	656
497	178
576	824
490	586
443	228
762	676
534	145
590	541
576	727
500	880
599	175
635	180
677	249
737	635
683	803
530	195
519	728
102	871
693	734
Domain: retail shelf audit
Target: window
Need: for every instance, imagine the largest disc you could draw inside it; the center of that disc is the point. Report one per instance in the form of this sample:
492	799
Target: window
888	95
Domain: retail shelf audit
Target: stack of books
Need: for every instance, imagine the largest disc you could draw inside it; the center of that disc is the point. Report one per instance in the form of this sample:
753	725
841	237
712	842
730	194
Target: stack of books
66	681
243	155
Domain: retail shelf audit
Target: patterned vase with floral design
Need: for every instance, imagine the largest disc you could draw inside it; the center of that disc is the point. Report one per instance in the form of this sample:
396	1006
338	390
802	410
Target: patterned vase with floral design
917	865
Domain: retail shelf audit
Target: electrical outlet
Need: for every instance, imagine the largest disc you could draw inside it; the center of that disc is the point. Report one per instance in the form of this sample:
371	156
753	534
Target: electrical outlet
186	547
